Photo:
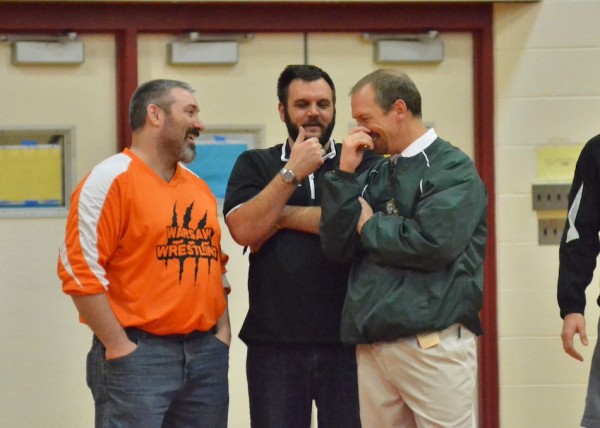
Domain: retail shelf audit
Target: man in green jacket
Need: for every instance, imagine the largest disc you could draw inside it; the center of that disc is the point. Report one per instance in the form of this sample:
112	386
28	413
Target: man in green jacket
414	228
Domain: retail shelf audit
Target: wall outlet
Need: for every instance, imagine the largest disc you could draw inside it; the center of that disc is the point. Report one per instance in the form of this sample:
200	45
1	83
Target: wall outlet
550	197
550	230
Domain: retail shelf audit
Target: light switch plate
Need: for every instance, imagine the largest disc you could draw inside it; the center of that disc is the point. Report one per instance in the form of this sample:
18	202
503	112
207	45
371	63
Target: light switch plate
550	231
550	197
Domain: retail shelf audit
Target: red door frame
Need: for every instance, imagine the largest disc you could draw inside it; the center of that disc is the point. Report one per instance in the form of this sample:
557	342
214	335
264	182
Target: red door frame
127	20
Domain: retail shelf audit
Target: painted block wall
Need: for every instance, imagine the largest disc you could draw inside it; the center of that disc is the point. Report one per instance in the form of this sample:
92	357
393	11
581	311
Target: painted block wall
547	63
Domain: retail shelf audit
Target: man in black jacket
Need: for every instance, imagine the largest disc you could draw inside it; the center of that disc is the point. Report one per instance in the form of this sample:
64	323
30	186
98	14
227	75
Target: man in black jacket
272	205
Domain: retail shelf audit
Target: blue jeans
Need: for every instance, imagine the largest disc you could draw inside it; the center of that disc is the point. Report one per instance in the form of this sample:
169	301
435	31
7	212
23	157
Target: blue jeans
283	380
168	381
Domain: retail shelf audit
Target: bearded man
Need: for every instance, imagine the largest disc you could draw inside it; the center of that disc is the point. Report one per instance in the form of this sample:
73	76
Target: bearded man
272	206
134	262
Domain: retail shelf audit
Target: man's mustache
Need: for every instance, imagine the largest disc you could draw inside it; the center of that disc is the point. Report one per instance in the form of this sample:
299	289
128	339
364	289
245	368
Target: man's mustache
313	124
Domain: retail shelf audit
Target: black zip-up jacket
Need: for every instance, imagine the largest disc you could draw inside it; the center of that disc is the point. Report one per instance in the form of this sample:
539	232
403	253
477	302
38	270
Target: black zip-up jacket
580	245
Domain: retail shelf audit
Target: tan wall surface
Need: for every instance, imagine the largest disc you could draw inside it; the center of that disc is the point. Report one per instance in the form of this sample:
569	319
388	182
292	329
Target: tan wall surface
42	360
547	94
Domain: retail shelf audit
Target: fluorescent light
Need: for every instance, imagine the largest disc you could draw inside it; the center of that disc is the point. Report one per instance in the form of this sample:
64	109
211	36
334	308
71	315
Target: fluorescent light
47	52
399	51
217	52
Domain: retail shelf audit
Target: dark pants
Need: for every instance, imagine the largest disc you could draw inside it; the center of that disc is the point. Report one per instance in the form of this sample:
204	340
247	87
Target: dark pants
591	415
168	381
283	380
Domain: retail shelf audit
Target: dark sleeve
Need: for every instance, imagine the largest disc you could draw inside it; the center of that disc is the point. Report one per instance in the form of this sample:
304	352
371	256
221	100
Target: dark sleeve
580	245
248	178
369	158
340	211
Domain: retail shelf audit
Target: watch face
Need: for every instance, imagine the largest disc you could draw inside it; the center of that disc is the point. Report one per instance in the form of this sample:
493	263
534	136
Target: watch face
288	176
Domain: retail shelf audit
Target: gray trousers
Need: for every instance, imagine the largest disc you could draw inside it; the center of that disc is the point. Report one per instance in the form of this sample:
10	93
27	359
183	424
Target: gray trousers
591	415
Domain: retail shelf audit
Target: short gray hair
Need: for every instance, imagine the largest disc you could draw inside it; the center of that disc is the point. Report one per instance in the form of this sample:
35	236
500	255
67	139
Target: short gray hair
152	92
391	85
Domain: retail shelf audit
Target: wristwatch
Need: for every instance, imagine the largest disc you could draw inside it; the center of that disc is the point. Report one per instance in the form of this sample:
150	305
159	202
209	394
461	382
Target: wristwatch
288	177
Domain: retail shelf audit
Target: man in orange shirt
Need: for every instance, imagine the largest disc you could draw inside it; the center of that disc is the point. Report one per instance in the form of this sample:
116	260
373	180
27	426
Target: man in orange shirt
142	261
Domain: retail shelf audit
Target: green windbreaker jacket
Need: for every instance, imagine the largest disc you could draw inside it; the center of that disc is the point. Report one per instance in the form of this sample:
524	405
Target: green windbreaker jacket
418	264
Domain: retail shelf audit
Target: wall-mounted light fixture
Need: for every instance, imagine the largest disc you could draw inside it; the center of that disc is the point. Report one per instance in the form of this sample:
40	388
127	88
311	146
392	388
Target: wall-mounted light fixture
45	49
403	48
201	49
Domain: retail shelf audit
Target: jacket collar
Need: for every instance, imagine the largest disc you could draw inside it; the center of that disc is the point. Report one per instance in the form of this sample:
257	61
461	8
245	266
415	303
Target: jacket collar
420	144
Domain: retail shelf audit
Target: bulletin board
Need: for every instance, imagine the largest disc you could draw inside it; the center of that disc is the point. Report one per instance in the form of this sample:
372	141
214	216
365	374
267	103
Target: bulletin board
36	170
31	175
217	149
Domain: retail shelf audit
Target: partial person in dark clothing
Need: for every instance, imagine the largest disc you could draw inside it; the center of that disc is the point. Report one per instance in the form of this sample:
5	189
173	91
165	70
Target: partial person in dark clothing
579	248
272	206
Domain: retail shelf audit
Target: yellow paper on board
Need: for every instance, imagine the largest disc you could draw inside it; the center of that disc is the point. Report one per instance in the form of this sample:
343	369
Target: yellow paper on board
31	173
557	164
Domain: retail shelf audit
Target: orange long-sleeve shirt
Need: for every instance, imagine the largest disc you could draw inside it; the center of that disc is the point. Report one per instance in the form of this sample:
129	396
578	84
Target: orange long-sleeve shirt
152	246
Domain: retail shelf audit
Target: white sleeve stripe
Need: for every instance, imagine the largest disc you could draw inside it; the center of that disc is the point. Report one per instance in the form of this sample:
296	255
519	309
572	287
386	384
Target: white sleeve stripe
226	283
91	200
183	166
64	260
572	233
